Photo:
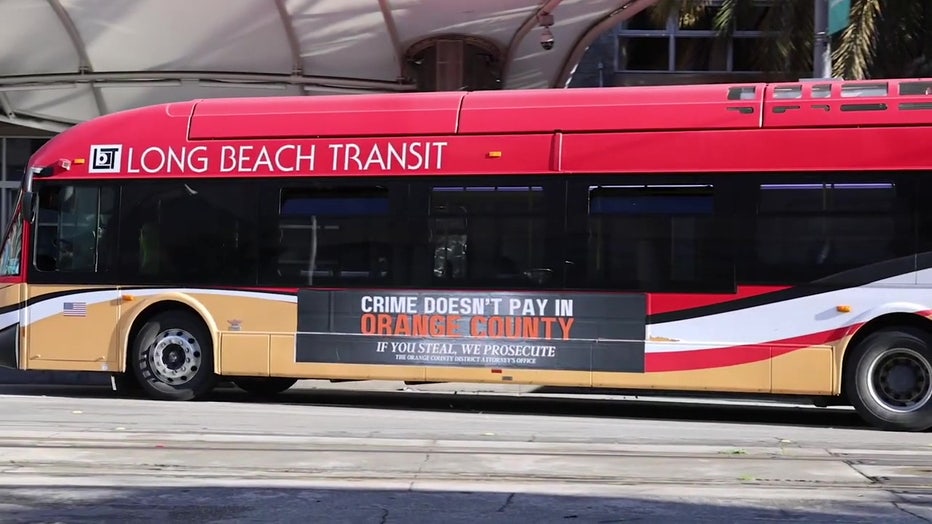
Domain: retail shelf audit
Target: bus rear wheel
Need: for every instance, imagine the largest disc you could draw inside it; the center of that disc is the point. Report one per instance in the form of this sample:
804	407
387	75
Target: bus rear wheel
889	380
172	357
264	386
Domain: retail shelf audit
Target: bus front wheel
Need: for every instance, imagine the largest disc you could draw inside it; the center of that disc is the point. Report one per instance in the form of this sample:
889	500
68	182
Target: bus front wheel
889	379
264	386
173	357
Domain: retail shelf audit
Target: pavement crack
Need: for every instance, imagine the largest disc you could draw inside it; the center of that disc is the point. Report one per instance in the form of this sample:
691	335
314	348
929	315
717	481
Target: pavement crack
873	480
417	473
908	512
384	516
511	496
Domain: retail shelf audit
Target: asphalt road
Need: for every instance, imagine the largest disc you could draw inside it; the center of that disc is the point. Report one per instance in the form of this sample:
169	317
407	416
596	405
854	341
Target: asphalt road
80	455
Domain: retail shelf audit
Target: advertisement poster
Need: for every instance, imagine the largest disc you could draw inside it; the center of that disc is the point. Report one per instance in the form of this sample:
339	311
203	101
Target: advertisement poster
520	330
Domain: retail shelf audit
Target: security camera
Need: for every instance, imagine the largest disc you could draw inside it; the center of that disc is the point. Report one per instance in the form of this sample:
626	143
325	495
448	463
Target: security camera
546	39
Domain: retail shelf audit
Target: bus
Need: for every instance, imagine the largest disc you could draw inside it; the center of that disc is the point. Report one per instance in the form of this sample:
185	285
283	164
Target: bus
771	239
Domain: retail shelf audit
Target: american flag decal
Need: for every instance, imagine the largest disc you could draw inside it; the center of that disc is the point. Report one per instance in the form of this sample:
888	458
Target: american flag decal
74	309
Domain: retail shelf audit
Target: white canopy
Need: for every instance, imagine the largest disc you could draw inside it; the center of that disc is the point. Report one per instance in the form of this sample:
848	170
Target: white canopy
65	61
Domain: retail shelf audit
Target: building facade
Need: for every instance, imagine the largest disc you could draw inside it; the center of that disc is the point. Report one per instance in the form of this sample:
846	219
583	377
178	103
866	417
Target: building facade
642	51
17	144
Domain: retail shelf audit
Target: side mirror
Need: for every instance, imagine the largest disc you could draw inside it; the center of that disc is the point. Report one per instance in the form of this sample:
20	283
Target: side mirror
30	206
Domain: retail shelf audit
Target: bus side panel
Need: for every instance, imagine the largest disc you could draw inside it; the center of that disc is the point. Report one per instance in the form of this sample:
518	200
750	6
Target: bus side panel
246	323
768	369
244	354
804	371
256	336
72	328
259	337
750	377
564	378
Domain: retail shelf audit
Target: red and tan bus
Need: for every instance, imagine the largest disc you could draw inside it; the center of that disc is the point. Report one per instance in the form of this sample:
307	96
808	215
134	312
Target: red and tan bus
773	239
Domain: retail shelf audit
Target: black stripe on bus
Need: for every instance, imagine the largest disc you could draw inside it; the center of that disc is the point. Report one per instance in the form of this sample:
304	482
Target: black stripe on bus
845	280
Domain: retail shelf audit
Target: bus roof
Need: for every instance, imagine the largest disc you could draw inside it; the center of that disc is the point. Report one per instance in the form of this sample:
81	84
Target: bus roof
709	106
530	117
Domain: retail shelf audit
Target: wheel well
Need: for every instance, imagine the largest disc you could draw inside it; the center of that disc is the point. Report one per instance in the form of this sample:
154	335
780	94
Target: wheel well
148	313
882	322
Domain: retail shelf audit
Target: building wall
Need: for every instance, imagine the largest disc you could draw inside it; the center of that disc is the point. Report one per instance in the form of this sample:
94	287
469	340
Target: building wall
15	151
641	51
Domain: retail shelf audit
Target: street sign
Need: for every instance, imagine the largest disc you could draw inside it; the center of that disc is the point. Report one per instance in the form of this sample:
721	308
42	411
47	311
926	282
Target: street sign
838	11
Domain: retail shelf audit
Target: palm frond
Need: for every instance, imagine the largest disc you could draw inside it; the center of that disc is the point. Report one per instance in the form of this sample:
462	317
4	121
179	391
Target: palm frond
787	43
901	39
883	37
858	42
687	12
727	14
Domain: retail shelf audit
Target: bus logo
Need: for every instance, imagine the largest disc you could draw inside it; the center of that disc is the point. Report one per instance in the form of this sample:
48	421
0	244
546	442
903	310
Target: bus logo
105	158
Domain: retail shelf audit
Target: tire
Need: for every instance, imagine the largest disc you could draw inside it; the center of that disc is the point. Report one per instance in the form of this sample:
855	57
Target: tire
264	386
889	379
158	348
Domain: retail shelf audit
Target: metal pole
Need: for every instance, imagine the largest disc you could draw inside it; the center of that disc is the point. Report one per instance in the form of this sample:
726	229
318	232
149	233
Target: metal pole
822	46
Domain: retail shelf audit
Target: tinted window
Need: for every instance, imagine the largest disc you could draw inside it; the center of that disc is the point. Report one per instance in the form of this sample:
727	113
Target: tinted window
656	238
808	231
330	235
72	229
489	236
196	232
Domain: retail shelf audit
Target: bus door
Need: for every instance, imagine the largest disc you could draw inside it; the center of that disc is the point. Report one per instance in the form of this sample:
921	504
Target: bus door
12	292
73	311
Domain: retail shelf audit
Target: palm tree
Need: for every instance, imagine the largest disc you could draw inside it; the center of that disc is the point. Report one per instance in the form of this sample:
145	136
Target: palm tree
884	38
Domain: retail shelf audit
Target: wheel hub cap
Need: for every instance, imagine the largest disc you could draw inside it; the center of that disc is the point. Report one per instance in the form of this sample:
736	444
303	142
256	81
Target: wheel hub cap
175	356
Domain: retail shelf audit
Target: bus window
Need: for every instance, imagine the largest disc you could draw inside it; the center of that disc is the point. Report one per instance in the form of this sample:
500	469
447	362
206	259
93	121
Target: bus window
12	252
334	235
449	247
194	231
71	224
489	236
807	231
656	238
